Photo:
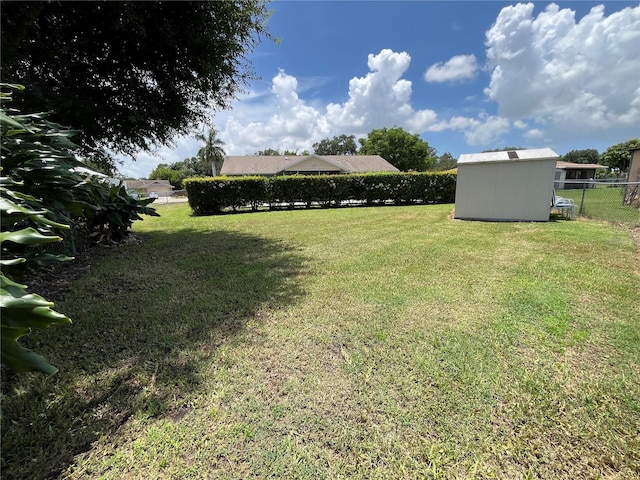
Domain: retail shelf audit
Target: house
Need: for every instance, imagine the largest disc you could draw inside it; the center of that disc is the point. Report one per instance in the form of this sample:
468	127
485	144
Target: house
573	175
514	185
145	187
304	164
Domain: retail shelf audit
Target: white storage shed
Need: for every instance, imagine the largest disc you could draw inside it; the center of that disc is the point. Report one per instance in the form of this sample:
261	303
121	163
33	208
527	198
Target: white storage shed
509	186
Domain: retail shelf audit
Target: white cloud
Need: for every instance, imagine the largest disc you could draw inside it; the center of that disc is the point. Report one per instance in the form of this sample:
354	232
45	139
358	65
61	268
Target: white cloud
460	67
574	78
483	130
534	134
145	163
553	78
382	98
293	126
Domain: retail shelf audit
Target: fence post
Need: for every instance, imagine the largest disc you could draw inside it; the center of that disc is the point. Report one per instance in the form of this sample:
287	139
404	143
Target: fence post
584	189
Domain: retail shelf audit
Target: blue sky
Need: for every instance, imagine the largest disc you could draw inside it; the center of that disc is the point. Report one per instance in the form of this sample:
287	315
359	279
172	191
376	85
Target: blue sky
465	76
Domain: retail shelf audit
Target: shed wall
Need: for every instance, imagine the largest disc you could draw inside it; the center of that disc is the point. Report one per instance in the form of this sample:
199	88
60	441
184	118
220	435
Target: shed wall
508	191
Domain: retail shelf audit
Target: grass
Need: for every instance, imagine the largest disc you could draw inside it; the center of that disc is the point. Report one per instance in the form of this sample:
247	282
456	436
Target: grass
351	343
605	203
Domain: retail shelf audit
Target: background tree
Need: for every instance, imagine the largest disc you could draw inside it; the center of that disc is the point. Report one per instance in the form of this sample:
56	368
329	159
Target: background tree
618	156
589	155
130	75
211	155
340	145
175	173
445	162
402	149
503	149
271	152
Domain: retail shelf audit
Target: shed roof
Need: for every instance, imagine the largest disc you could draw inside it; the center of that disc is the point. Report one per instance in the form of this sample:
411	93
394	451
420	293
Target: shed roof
508	156
271	165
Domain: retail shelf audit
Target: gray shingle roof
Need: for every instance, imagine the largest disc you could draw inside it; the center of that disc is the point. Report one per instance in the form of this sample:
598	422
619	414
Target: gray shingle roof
271	165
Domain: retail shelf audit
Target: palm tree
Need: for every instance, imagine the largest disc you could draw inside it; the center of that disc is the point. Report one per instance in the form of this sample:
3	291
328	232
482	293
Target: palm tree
212	153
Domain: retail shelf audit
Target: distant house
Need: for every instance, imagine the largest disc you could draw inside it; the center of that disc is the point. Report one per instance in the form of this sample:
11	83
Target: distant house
146	187
572	175
304	165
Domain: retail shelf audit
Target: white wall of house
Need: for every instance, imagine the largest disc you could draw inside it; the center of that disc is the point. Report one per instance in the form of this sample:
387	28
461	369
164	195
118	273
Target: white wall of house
506	190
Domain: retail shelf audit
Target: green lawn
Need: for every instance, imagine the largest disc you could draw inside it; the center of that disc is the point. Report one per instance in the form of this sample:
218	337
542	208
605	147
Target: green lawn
358	343
605	203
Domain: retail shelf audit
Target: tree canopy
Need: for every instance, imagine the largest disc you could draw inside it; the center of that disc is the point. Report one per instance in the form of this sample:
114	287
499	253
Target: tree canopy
619	156
503	149
400	148
589	155
212	153
130	75
339	145
272	152
175	172
445	162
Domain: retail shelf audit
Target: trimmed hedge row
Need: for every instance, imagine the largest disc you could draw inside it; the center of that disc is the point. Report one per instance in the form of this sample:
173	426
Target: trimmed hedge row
214	195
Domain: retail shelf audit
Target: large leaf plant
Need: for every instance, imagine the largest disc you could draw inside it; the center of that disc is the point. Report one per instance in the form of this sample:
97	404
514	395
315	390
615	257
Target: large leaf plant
24	224
43	198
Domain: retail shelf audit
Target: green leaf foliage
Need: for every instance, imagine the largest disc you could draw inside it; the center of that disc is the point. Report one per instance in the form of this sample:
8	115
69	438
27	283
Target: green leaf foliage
135	74
619	156
213	195
43	198
20	310
217	195
211	155
28	236
589	155
339	145
405	151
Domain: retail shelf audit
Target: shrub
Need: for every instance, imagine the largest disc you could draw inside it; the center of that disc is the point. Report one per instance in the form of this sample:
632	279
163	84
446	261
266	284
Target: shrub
210	195
214	195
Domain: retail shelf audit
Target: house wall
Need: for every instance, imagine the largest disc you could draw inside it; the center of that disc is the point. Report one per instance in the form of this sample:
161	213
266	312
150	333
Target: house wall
313	165
559	179
507	191
158	188
149	186
575	177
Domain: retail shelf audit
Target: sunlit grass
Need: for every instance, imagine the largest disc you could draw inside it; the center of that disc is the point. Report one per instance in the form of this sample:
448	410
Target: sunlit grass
352	343
605	203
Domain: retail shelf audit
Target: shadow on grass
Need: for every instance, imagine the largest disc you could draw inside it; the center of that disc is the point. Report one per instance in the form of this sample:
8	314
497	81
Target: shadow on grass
148	322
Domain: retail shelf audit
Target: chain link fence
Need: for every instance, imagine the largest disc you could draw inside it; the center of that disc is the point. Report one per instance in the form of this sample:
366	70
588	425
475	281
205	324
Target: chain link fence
614	202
